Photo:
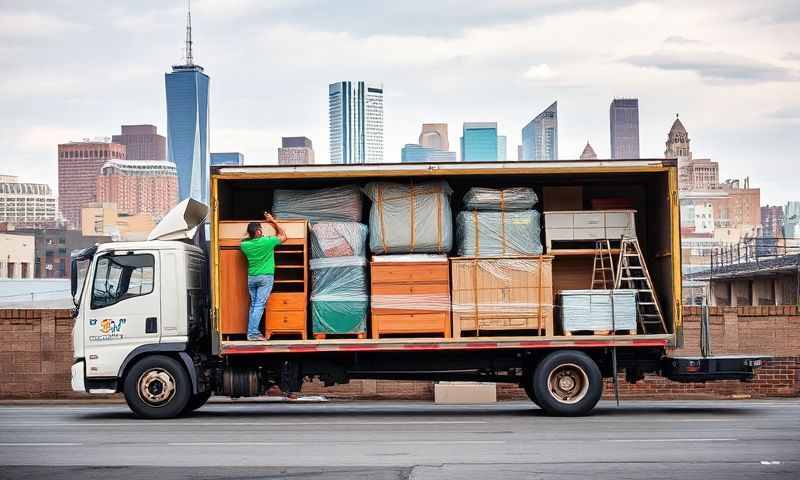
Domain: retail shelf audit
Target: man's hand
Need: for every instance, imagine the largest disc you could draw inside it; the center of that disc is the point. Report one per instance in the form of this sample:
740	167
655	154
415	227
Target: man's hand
268	217
281	234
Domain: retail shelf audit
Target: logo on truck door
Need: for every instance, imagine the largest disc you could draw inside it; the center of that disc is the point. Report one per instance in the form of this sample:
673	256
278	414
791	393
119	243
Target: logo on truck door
110	330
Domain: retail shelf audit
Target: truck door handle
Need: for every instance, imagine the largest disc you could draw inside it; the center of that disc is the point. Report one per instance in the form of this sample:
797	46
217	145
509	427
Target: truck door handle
151	325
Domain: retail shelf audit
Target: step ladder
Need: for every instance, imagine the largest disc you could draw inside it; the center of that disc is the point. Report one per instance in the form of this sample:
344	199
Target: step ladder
603	269
632	273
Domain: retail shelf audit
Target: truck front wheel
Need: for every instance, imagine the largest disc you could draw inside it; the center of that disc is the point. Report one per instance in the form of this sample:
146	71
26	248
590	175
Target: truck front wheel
157	386
567	383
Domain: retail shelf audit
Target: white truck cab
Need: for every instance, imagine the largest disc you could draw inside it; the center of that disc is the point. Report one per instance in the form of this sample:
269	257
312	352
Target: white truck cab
133	300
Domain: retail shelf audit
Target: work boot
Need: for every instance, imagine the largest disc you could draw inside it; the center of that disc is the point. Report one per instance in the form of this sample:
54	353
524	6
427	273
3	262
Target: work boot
256	338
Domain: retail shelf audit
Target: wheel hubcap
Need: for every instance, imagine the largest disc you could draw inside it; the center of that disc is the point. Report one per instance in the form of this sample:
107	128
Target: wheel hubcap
156	387
568	383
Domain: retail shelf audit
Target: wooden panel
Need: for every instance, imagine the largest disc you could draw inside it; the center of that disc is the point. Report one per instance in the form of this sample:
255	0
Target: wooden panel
295	229
562	198
235	299
572	273
286	301
402	272
410	288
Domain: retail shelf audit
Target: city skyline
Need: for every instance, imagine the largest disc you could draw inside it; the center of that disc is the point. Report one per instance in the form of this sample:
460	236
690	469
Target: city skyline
751	60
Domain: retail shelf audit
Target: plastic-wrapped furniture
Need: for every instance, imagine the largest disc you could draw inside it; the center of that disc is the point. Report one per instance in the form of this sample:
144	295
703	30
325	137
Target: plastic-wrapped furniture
336	204
495	234
410	218
590	311
494	295
339	296
500	199
338	239
410	295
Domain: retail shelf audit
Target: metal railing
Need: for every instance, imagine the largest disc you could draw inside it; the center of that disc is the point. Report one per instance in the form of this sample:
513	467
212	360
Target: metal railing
753	250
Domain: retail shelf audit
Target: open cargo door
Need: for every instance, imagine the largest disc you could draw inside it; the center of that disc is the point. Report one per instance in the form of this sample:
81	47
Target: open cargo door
181	222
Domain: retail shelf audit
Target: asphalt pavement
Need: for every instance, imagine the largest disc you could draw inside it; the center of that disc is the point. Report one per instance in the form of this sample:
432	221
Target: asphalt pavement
387	440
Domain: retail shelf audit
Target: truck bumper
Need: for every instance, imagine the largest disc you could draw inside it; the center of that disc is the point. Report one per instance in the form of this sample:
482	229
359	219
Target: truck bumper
78	370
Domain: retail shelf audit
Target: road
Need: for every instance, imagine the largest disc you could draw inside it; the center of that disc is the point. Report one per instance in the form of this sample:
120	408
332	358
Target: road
387	440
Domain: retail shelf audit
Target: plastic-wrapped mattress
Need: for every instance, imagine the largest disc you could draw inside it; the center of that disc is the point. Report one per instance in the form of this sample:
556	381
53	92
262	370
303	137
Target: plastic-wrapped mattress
338	239
339	295
410	218
496	234
591	310
336	204
502	199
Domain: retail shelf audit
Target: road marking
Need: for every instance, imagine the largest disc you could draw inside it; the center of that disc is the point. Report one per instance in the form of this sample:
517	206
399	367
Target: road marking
46	444
324	443
768	462
138	424
661	440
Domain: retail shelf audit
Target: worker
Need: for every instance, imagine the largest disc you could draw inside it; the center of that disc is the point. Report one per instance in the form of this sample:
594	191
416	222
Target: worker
260	253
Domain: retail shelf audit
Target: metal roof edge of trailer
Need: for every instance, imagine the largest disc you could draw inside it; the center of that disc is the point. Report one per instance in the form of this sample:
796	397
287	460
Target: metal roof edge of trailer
589	166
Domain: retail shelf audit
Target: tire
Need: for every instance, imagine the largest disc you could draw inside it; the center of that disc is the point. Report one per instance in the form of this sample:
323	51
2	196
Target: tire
196	401
157	386
567	383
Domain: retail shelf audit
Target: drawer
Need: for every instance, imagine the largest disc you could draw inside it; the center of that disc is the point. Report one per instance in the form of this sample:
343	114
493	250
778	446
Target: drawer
286	301
410	323
616	233
403	273
558	220
499	323
589	233
588	219
619	219
286	320
411	289
559	234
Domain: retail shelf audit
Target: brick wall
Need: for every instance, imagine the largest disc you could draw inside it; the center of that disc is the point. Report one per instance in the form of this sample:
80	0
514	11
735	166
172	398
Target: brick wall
36	355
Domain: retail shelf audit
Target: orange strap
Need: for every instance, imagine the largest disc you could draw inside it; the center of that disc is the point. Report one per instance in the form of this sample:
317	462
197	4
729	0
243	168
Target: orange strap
475	292
539	270
379	206
477	233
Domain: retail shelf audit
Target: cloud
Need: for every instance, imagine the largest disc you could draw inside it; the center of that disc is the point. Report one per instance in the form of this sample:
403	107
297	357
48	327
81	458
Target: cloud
35	25
792	56
714	66
679	40
540	72
786	113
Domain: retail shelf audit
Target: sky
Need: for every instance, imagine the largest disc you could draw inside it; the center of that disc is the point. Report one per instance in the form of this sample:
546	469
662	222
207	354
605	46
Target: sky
731	69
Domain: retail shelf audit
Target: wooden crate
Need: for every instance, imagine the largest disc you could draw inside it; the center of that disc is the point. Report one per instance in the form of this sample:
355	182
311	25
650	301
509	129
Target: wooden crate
286	311
410	298
496	294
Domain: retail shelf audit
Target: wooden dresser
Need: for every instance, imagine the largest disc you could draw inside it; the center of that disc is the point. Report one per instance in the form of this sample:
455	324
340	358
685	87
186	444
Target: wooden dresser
410	297
286	312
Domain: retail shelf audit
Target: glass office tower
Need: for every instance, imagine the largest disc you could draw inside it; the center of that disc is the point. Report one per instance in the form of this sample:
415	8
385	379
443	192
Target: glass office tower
624	124
355	112
540	136
479	142
226	158
187	129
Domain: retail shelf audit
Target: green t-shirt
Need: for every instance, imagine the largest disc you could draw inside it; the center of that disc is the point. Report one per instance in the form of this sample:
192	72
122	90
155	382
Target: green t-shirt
260	253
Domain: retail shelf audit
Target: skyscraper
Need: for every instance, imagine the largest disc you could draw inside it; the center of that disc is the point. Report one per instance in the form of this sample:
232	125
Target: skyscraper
78	166
187	123
138	186
226	158
142	142
355	112
26	204
413	152
624	121
479	142
540	136
502	155
434	135
295	151
588	153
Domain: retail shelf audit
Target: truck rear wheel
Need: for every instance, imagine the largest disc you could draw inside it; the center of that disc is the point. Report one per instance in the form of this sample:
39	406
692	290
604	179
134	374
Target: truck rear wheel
157	386
567	383
527	385
197	401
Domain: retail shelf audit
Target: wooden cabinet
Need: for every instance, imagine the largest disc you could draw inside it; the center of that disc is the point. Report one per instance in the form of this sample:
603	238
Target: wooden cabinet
410	298
496	294
286	309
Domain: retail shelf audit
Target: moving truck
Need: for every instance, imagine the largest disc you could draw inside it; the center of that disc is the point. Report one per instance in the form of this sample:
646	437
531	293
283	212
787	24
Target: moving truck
150	316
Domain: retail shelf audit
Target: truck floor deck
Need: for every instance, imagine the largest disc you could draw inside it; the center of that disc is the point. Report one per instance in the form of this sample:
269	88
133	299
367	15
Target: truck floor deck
474	343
